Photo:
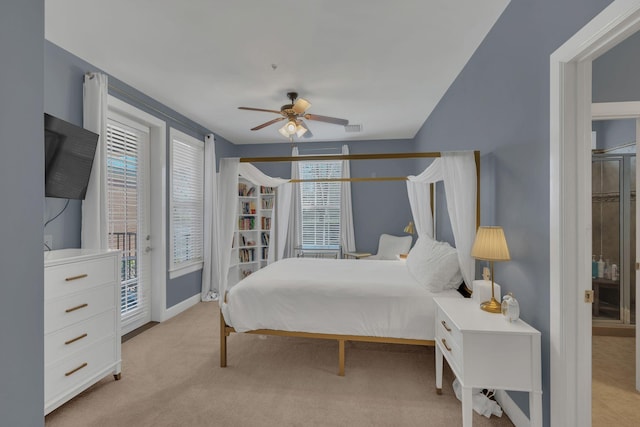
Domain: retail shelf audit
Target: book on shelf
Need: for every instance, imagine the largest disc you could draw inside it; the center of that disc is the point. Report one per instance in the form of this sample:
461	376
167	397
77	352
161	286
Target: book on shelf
265	239
266	190
265	223
246	223
267	203
245	191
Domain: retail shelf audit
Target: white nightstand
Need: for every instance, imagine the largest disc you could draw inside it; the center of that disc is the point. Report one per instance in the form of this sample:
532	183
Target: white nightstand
486	351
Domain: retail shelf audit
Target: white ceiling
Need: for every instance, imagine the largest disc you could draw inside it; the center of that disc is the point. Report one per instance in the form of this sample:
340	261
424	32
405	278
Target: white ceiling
380	64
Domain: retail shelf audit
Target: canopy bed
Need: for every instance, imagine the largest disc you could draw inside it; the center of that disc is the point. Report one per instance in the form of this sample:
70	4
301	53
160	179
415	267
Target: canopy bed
386	301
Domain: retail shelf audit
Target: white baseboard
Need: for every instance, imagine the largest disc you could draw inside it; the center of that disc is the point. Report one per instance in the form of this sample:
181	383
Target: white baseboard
513	411
180	307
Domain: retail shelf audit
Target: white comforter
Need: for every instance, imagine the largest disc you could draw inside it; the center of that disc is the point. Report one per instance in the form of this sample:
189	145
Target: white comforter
344	297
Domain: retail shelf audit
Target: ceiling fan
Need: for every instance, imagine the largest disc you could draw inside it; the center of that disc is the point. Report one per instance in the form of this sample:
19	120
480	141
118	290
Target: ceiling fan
293	113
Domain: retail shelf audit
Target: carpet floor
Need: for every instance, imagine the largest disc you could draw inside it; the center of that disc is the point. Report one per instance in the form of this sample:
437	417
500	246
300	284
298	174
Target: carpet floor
171	377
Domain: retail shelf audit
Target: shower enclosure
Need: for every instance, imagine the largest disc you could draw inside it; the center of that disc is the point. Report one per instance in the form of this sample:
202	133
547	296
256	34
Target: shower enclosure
614	242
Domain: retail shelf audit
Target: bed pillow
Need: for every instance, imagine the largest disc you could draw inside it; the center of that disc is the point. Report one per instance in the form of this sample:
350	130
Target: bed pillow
434	265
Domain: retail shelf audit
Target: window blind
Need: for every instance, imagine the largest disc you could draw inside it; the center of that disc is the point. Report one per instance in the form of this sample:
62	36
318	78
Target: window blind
320	204
126	212
187	200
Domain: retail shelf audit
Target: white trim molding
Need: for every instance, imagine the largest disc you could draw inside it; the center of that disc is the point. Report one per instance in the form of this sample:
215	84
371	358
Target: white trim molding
511	409
174	310
615	110
570	198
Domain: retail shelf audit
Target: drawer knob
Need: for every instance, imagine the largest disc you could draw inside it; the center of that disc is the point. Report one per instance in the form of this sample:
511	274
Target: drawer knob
80	276
73	371
78	307
444	342
71	341
446	326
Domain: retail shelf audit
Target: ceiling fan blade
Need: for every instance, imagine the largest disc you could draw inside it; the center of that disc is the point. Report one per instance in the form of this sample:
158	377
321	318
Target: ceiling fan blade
300	106
326	119
259	109
270	122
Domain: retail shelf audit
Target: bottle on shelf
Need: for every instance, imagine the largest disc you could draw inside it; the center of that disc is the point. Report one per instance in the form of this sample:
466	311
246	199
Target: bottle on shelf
600	268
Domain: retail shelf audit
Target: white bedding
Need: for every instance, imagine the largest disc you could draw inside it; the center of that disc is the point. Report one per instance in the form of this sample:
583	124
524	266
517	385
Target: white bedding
375	298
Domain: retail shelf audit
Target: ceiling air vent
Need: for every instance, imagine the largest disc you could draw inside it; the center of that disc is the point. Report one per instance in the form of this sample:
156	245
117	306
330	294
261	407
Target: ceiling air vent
353	128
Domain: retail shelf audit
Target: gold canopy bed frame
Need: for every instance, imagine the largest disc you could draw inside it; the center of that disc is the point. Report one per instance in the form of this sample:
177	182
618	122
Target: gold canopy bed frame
226	330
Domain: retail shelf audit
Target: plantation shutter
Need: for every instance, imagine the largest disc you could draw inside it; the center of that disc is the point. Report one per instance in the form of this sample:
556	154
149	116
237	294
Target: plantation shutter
125	184
187	200
320	203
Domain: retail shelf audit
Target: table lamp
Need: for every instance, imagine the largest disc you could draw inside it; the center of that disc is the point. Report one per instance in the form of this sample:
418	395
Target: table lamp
410	229
491	245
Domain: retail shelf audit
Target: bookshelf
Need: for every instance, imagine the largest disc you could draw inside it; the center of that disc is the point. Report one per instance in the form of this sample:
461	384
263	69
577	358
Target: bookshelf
253	229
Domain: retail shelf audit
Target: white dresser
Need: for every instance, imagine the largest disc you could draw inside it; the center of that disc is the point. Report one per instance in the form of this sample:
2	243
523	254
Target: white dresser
484	350
81	321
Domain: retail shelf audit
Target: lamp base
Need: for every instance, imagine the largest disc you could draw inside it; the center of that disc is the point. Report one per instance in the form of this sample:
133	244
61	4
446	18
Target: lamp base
492	306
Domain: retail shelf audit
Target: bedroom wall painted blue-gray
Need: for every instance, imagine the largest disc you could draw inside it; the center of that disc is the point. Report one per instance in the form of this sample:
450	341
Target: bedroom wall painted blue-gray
22	194
63	98
499	104
378	207
614	133
615	74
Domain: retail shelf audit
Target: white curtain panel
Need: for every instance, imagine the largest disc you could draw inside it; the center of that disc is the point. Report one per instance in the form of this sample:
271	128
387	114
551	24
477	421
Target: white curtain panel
420	201
347	234
293	234
283	212
227	209
458	171
94	206
418	189
211	256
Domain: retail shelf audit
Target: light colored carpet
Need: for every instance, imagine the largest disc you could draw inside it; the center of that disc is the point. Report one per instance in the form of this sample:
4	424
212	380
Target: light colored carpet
171	377
615	401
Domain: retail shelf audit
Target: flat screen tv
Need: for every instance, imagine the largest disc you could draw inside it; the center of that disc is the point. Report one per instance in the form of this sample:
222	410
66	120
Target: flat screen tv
68	156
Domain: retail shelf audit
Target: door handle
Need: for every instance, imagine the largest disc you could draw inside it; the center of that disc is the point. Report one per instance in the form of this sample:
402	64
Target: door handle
147	249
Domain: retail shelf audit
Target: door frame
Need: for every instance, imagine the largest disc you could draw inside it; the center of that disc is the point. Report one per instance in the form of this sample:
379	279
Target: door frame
614	111
158	202
570	198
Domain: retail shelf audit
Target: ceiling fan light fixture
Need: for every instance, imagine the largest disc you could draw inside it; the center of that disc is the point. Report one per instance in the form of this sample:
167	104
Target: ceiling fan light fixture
301	105
283	131
300	130
291	127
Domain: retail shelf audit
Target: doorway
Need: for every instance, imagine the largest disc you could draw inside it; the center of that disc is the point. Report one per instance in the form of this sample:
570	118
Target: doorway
570	198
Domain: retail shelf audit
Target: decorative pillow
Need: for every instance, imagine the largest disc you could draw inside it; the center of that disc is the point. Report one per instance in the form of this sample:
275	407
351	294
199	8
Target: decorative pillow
434	265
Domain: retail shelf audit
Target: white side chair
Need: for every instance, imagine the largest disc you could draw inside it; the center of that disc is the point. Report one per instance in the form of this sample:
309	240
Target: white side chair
389	247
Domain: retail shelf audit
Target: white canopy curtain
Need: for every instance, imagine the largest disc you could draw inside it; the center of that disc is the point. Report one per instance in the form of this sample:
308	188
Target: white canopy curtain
347	234
226	209
94	206
294	234
458	171
212	256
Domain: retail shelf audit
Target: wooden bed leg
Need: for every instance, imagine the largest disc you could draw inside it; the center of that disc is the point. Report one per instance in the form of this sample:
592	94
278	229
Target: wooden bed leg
341	358
223	342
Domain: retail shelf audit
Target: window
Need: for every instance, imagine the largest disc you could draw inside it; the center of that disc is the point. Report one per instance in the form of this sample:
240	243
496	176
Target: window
320	204
187	203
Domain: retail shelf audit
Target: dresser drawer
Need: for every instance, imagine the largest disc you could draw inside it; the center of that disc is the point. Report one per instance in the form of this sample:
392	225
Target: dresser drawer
65	375
65	279
449	338
447	328
65	311
65	342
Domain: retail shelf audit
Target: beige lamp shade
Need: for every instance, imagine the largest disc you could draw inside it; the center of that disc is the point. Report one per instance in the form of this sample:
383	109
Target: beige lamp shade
490	245
410	228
